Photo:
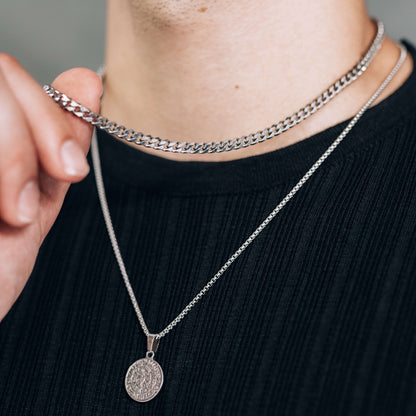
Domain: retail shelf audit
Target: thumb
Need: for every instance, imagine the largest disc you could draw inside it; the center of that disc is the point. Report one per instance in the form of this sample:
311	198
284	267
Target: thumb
85	87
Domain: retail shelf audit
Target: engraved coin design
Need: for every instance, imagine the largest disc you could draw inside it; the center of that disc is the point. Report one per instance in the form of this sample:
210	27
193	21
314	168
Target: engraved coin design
144	380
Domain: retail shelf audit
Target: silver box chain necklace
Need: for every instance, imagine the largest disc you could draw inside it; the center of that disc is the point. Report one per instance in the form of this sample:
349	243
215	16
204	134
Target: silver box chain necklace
144	377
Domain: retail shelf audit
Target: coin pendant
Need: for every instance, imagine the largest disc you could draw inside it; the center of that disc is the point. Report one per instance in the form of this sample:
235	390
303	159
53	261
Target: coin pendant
144	379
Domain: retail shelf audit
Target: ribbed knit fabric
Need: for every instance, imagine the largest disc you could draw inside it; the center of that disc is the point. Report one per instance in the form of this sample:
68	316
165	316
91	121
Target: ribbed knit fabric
317	317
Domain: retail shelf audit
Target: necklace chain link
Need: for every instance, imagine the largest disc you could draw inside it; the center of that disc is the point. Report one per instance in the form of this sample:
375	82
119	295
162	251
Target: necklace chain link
250	239
156	143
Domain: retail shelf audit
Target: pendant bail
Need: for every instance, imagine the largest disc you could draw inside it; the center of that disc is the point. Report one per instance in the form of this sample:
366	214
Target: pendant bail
152	343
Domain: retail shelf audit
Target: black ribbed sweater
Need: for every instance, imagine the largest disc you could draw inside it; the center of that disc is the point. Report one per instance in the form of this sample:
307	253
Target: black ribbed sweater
317	317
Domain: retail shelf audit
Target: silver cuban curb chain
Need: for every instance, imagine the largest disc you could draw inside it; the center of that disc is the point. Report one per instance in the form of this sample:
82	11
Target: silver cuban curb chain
135	383
275	130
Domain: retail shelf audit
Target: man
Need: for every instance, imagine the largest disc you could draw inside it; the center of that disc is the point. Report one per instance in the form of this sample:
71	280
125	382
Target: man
315	317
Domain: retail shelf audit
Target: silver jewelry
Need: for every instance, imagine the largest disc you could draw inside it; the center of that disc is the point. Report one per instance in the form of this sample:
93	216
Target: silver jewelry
144	378
227	145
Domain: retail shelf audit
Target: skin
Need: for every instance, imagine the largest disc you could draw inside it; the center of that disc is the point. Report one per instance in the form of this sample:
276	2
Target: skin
189	70
188	62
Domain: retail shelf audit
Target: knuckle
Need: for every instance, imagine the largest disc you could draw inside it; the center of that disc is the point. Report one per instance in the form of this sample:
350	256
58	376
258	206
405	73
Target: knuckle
7	60
16	163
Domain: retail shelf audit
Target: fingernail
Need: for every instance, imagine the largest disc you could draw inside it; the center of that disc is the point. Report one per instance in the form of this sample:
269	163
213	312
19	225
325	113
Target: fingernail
28	204
73	159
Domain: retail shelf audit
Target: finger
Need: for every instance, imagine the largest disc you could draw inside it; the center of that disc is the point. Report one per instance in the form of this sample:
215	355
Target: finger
59	151
85	87
19	191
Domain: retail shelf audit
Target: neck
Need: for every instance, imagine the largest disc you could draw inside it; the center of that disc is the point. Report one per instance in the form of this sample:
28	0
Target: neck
188	71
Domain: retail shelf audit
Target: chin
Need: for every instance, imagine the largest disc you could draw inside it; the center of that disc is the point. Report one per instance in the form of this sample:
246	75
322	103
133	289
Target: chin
170	13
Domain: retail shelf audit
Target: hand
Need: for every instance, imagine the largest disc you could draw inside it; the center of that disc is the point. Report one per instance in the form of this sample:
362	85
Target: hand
42	151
